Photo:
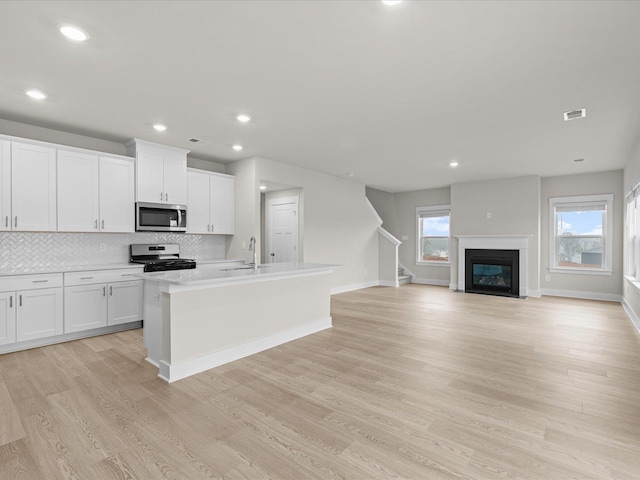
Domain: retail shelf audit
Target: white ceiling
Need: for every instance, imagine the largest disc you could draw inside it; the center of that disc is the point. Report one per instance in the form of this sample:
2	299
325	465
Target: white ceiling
392	94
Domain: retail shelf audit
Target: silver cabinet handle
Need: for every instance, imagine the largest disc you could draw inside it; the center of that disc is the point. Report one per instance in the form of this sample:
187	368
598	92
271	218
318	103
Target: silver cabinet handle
160	196
86	278
20	300
166	197
39	281
104	291
10	301
208	228
127	275
110	290
16	222
96	224
103	224
6	221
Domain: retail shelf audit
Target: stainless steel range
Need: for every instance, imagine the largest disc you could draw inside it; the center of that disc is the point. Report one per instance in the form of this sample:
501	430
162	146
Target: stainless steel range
159	257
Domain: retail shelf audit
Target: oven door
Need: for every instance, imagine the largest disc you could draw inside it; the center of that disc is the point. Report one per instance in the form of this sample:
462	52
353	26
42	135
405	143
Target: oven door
157	217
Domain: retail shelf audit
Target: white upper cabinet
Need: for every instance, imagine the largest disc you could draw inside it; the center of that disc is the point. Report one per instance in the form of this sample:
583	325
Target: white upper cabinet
78	192
161	172
33	187
5	185
117	195
210	203
95	194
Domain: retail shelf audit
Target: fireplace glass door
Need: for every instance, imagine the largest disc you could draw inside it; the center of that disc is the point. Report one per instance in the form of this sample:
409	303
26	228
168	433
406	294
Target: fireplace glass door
493	272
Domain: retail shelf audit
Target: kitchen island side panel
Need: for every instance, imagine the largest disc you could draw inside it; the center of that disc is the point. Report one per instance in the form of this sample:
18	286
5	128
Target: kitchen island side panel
209	320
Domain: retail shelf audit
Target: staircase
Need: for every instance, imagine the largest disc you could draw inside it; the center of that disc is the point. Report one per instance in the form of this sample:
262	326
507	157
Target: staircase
402	278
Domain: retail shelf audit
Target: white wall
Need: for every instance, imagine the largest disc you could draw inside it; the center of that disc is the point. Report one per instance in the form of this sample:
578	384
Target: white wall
338	225
585	184
514	204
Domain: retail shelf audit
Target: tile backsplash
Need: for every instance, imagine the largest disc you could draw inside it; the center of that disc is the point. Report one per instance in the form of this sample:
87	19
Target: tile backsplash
44	250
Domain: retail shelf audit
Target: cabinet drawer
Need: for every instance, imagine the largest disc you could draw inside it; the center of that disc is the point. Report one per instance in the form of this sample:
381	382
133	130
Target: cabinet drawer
30	282
100	276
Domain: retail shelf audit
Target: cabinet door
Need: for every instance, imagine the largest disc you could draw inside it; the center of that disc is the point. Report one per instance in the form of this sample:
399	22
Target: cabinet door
222	205
149	176
125	302
77	192
85	307
117	195
175	178
33	187
7	318
198	203
5	185
39	313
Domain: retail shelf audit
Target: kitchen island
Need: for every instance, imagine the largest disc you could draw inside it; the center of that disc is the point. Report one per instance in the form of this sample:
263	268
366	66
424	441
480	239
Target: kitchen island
199	319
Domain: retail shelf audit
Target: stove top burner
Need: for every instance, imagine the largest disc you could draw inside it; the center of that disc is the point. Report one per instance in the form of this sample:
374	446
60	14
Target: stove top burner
159	258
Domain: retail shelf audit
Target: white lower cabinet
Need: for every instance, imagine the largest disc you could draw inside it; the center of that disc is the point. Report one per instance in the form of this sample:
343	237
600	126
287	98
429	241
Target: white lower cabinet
85	307
7	318
96	299
39	313
125	302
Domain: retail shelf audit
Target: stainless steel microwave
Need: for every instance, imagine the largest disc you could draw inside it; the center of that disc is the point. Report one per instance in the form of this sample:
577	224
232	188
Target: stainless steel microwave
158	217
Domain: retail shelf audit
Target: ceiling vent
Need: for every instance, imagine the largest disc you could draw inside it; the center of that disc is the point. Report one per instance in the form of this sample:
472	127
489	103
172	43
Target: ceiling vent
574	114
197	140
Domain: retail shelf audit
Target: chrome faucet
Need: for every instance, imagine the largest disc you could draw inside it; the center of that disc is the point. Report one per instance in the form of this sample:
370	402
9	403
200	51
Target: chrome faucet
252	248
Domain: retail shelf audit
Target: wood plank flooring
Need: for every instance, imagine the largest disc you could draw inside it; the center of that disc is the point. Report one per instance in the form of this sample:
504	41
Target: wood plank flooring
415	382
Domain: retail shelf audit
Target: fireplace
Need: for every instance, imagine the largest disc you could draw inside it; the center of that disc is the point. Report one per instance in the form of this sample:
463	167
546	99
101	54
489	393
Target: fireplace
492	272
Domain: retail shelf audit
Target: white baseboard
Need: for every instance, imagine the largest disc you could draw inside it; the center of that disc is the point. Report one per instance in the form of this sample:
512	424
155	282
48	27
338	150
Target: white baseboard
389	283
67	337
632	315
354	286
430	281
172	372
533	293
608	297
453	286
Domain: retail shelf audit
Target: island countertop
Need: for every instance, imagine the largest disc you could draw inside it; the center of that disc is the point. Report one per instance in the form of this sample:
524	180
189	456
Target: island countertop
230	275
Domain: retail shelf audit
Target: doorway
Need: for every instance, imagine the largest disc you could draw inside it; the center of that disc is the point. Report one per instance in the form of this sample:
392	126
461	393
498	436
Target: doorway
282	223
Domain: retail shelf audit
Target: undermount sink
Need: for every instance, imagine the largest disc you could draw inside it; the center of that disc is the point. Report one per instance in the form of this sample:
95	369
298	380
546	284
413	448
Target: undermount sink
243	267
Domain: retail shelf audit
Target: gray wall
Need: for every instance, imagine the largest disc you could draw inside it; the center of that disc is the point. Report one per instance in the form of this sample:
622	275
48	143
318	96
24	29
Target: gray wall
584	184
339	227
32	132
514	204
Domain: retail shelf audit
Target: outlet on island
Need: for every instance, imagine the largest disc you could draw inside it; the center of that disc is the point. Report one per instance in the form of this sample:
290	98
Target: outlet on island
103	247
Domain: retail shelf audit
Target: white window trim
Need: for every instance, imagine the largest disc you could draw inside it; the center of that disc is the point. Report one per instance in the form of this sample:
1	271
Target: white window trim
432	209
607	230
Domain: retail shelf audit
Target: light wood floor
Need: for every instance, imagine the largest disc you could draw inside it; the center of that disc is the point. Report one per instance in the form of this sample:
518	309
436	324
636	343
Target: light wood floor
414	383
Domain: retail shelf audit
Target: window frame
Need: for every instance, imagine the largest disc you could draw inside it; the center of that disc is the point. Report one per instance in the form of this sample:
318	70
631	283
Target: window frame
607	232
433	209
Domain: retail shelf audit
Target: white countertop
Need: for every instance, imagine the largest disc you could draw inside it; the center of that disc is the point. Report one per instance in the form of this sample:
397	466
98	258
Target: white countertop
221	277
65	269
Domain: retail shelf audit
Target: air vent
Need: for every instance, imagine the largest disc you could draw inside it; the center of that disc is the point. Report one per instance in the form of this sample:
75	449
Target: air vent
578	160
197	140
574	114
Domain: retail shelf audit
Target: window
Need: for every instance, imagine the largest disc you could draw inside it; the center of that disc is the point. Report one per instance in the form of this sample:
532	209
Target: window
632	228
433	234
580	234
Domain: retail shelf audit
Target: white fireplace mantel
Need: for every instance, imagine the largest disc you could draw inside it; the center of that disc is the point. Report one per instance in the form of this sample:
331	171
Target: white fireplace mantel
494	242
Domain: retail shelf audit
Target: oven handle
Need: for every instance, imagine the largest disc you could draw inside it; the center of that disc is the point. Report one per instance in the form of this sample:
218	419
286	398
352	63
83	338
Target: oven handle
179	217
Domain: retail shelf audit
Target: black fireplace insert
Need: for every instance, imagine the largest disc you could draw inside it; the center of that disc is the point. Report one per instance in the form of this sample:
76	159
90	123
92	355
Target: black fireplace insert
492	272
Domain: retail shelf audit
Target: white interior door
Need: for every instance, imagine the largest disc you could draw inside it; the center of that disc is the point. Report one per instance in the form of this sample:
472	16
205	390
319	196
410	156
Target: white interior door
283	230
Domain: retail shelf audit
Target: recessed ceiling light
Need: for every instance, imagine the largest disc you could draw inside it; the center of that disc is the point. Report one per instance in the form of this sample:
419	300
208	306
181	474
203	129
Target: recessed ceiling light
74	33
391	2
242	118
575	114
454	164
237	148
36	94
263	187
158	127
